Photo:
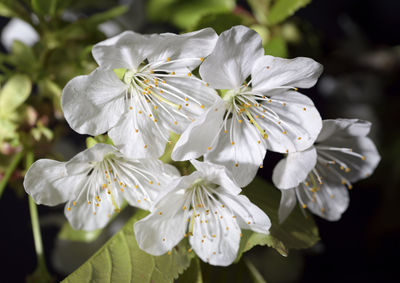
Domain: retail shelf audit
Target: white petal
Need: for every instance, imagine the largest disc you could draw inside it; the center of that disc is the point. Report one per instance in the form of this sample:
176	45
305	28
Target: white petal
93	104
126	50
17	29
293	169
344	128
190	46
216	237
230	63
165	227
329	202
243	158
272	72
295	125
192	94
47	182
361	161
216	174
84	216
138	136
151	176
82	161
248	215
200	134
286	206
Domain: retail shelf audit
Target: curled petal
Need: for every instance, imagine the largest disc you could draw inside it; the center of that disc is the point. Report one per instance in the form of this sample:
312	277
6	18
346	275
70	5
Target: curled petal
217	241
344	128
200	134
184	50
230	63
93	104
293	169
291	121
286	206
239	151
126	50
160	231
272	72
48	183
248	215
138	136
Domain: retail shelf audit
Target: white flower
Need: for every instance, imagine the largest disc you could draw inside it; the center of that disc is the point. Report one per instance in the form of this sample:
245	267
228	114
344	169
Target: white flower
157	93
317	177
95	182
264	112
206	207
17	29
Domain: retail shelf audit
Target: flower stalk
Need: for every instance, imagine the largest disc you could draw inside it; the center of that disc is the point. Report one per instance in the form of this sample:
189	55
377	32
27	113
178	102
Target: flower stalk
11	168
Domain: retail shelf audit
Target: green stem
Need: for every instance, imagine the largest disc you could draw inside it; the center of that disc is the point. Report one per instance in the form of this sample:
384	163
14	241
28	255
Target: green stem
11	168
37	237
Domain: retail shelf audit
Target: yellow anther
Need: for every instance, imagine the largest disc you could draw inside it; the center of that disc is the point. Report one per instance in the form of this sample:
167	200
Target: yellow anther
261	166
184	207
332	196
130	107
145	146
151	72
159	184
209	148
89	202
287	150
97	204
140	112
304	206
213	235
161	91
207	84
163	239
121	189
284	104
151	182
160	213
109	192
201	59
240	121
94	213
155	120
267	67
363	157
304	109
269	100
172	73
236	164
299	138
349	186
189	74
163	81
190	250
168	59
225	131
138	200
136	186
186	104
136	130
284	132
155	107
69	209
74	203
241	235
175	123
233	143
249	222
347	170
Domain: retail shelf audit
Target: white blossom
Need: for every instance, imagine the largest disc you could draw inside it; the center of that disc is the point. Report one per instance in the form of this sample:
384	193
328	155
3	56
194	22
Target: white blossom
156	92
206	207
260	108
317	177
95	182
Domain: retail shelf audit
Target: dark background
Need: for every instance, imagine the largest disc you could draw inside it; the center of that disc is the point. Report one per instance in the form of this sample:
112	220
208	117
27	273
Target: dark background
358	42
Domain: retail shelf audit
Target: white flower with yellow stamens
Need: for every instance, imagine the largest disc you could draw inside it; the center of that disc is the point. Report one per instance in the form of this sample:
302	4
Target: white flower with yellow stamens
206	207
95	182
155	93
259	109
317	177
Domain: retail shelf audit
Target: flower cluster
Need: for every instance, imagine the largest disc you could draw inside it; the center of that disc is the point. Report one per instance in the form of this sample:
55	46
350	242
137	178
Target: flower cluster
242	104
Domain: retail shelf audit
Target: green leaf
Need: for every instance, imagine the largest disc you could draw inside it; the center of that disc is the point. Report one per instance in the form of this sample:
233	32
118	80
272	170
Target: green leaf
192	274
297	232
219	22
44	7
6	10
68	233
260	9
186	14
282	9
277	47
7	130
22	57
121	260
14	93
